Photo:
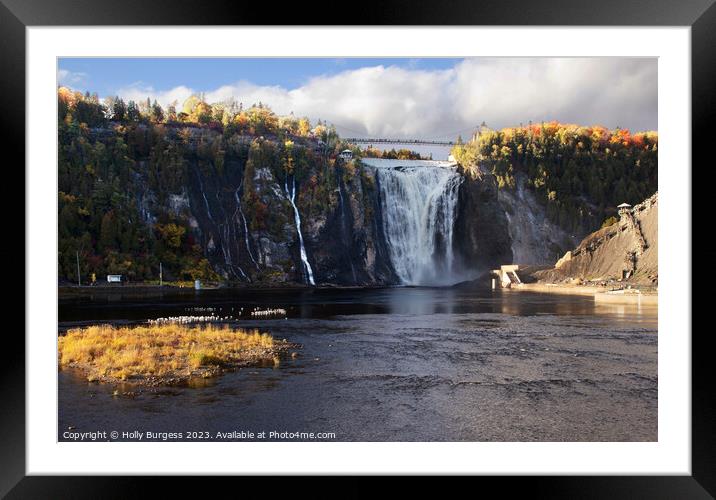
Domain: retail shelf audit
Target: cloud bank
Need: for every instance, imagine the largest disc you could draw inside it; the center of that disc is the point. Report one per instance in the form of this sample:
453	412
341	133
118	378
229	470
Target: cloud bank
70	78
402	102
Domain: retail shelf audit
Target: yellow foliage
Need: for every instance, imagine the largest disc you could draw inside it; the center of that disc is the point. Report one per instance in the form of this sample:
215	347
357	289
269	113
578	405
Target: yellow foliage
166	350
304	127
190	104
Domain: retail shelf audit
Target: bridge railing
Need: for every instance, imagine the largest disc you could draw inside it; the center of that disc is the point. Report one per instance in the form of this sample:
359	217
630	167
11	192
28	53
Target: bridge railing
359	140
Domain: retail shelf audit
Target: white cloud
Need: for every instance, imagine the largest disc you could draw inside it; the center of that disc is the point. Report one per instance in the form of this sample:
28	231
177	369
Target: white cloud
398	102
138	92
68	78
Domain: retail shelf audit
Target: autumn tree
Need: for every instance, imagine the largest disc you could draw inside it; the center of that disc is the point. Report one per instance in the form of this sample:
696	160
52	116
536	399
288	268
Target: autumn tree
132	111
157	113
119	109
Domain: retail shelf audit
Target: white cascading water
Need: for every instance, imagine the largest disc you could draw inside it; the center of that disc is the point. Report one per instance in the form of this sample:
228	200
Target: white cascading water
291	195
419	203
246	227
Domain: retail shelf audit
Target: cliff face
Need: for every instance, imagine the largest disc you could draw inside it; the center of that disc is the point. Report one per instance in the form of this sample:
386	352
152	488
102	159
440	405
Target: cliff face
535	240
628	249
344	239
230	207
247	226
482	237
348	244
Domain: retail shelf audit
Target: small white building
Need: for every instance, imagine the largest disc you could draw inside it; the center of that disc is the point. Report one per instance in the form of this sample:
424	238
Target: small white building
114	278
346	154
624	208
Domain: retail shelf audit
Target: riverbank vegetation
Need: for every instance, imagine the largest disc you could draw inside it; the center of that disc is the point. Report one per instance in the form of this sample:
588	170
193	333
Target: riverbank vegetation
165	353
580	173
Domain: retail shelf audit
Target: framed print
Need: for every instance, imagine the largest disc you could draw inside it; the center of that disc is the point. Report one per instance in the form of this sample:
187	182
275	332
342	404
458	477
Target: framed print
387	248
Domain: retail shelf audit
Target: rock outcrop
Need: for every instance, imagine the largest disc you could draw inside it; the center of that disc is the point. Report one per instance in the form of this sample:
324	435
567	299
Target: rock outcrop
627	250
344	238
349	248
535	240
482	238
232	200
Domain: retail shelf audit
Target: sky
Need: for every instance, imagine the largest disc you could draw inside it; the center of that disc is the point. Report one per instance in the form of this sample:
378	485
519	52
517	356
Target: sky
427	98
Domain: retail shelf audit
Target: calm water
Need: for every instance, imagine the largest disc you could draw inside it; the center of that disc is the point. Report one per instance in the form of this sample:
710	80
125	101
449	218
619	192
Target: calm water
399	364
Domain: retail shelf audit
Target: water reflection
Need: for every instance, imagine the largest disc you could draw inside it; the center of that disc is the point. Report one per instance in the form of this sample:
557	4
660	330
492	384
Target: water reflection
421	301
326	303
399	364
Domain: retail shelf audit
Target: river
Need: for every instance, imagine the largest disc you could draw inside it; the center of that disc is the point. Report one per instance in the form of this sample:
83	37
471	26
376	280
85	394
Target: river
396	364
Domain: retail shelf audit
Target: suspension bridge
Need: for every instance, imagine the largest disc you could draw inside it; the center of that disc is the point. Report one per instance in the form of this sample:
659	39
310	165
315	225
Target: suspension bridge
367	140
443	139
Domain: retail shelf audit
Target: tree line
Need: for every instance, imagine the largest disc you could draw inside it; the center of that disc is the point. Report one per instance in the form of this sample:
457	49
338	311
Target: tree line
580	173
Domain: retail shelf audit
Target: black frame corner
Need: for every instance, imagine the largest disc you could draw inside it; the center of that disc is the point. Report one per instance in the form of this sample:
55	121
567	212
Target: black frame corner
700	15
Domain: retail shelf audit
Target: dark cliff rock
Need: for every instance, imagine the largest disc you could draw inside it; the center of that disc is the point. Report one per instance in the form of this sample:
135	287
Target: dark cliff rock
350	248
343	239
220	207
481	240
536	240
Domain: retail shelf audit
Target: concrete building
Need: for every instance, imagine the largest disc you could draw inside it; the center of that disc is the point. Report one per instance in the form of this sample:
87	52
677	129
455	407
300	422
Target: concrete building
507	276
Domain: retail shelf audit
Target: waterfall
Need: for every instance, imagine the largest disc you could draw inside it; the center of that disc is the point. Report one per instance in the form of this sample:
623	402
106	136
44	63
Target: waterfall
419	203
225	241
223	232
246	227
206	202
304	257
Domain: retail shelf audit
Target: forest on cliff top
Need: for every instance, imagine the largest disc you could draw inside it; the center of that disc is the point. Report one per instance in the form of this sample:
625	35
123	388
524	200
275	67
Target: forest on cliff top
580	174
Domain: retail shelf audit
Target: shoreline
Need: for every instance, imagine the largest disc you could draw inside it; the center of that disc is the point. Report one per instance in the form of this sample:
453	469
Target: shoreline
73	291
600	294
625	296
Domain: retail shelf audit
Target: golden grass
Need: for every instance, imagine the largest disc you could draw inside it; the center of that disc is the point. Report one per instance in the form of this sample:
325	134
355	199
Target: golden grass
166	351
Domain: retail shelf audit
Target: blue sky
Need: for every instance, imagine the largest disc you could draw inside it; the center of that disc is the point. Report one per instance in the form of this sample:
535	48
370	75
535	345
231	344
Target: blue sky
107	75
401	98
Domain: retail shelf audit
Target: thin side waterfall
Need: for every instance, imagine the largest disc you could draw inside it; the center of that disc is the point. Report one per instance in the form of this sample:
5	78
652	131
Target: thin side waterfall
419	203
226	242
304	257
206	202
246	228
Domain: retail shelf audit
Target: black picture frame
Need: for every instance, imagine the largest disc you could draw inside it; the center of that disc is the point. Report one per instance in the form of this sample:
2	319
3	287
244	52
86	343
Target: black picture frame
700	15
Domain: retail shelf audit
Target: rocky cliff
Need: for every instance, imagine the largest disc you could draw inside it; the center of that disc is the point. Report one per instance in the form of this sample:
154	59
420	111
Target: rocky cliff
243	220
626	250
249	231
247	209
482	236
534	239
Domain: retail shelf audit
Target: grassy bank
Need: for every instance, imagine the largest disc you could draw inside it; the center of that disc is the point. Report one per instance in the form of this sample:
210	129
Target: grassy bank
164	354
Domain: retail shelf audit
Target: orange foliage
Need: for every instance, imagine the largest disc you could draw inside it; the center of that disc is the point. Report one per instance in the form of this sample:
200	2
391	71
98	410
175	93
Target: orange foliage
569	131
66	95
